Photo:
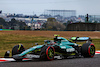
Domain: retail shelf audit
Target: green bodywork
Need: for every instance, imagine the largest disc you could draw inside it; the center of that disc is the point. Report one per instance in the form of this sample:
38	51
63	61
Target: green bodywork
30	49
62	43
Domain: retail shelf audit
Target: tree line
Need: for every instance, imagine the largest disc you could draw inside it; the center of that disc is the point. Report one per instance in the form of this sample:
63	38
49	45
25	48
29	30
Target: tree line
51	24
13	24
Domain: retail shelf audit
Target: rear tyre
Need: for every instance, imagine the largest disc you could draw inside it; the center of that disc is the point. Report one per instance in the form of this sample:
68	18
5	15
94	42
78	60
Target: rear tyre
88	50
47	53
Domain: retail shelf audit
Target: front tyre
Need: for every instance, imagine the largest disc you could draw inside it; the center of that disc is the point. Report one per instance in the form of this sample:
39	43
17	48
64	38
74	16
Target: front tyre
50	53
47	53
88	50
17	49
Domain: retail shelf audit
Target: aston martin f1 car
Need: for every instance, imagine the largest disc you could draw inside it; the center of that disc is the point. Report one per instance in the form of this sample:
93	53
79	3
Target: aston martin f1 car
59	46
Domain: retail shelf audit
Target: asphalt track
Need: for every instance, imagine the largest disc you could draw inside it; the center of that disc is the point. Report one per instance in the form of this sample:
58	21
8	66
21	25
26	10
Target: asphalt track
69	62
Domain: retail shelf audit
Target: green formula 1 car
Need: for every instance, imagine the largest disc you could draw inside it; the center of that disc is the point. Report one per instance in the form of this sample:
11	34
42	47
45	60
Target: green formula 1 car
57	47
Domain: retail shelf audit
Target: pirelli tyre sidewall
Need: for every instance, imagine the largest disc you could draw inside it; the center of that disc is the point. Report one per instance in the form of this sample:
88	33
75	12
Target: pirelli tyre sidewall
47	53
88	50
50	53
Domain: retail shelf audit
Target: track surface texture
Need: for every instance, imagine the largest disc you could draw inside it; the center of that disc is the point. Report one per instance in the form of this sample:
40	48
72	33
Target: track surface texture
69	62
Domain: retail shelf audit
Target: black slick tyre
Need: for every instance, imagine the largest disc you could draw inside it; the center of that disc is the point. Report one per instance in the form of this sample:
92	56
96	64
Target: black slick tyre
47	53
88	50
16	49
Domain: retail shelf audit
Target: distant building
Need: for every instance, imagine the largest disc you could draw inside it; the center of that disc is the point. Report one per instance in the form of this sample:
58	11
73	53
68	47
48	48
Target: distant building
64	13
35	26
94	18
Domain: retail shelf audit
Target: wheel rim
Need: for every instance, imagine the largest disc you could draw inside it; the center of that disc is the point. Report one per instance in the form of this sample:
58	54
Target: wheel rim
50	53
91	50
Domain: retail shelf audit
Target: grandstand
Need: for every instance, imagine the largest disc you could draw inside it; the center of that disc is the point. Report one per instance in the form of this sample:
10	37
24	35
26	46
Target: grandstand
63	13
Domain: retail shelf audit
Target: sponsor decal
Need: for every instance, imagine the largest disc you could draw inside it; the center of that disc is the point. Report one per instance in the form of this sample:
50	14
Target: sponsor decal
32	56
84	38
63	47
70	49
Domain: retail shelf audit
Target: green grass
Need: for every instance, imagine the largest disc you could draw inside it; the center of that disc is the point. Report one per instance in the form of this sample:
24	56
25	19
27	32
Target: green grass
96	43
7	29
7	41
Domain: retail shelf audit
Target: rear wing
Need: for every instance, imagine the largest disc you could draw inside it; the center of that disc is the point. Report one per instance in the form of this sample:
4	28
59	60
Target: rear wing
79	39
